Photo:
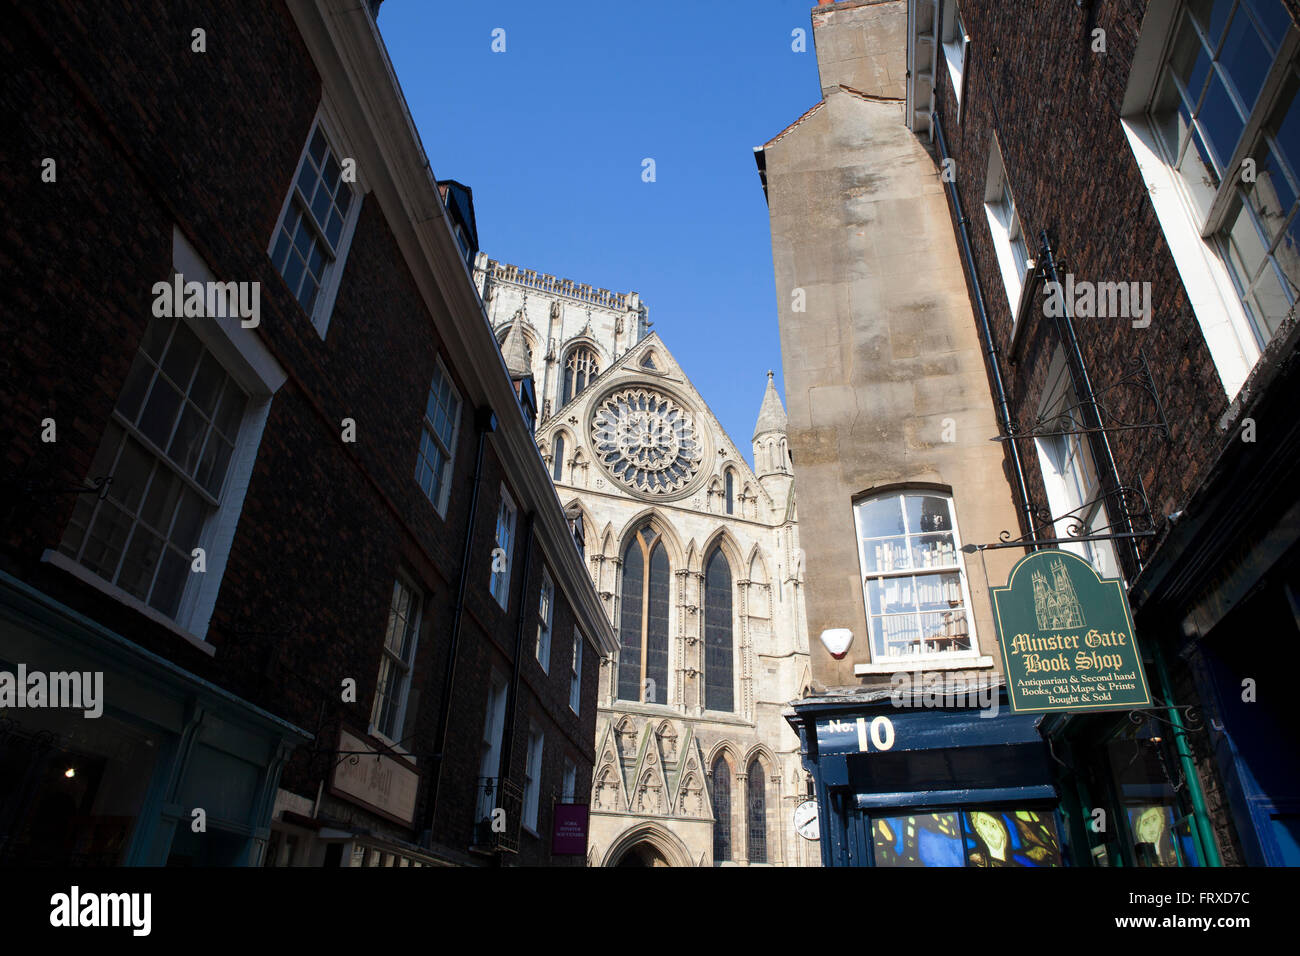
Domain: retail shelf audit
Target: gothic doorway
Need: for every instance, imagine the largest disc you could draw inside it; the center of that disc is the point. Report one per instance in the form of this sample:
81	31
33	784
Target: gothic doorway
642	854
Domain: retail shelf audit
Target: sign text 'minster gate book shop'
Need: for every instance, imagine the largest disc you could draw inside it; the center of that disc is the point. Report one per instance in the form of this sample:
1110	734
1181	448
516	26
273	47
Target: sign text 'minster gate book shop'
1067	637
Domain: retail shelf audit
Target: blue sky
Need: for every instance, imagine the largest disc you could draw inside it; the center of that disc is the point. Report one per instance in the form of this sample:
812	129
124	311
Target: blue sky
551	134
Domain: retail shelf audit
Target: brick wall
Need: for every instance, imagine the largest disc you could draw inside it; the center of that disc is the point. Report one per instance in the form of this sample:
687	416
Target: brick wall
147	133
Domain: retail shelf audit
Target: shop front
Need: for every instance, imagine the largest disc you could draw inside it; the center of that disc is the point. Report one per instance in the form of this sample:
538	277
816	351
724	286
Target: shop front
113	756
929	785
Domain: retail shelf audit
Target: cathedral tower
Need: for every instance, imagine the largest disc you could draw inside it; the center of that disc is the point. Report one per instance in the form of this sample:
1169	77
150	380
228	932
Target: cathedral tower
696	557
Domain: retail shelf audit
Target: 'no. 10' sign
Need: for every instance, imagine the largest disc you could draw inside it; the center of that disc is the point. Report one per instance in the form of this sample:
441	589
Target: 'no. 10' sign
876	734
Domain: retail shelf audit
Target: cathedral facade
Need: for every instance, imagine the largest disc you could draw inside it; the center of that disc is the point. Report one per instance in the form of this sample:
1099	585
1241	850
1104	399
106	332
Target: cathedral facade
696	557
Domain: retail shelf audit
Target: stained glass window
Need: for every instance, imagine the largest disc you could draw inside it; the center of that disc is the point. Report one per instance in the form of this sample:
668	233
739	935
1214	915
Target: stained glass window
719	692
967	838
557	463
721	810
731	494
580	369
644	615
756	793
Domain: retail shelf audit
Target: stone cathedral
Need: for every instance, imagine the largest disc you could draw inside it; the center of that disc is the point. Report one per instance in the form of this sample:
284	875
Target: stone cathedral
696	557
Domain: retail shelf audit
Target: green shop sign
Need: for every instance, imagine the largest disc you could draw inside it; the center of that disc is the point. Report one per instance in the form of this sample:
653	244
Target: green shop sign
1067	637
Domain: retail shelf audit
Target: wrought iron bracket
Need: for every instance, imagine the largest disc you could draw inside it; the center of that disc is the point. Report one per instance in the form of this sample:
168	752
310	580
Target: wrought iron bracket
1124	501
1065	421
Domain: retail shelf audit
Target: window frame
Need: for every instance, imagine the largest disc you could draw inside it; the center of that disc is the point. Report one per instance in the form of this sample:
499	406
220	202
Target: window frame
533	764
401	580
575	674
507	518
1196	240
1006	227
545	620
569	786
448	450
954	44
246	360
338	146
733	603
968	657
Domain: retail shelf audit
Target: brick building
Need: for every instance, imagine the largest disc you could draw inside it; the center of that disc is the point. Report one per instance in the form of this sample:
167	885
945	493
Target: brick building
316	584
1120	183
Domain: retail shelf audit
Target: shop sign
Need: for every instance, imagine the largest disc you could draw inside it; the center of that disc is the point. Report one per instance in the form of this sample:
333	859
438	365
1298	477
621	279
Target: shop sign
569	830
1066	636
380	782
855	735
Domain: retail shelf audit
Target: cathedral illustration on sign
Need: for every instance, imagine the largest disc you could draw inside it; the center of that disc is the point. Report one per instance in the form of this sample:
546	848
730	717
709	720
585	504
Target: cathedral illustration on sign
1055	604
696	558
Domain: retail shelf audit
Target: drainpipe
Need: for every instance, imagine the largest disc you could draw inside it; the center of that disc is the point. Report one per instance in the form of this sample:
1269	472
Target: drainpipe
986	336
485	421
1099	440
1200	812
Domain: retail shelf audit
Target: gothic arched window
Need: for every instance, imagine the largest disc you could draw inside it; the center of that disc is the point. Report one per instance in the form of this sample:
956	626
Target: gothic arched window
721	810
557	462
580	369
718	688
643	620
756	797
731	494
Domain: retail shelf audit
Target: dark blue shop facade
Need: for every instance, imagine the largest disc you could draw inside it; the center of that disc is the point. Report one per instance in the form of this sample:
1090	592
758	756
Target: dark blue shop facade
929	786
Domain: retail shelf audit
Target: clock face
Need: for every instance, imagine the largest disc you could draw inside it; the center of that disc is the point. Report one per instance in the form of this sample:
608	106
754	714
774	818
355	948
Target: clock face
645	440
805	820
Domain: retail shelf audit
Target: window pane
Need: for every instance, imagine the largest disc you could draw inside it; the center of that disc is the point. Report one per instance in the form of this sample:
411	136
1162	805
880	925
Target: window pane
188	521
187	441
1198	175
140	562
756	792
631	607
1246	58
164	492
1212	15
922	839
131	475
721	811
1269	302
160	412
718	651
1190	62
657	624
1245	249
137	384
880	517
169	586
155	336
106	540
1272	18
1011	838
211	472
1221	122
182	355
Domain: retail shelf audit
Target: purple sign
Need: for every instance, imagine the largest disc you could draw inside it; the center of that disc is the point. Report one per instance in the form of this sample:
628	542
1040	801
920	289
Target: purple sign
570	834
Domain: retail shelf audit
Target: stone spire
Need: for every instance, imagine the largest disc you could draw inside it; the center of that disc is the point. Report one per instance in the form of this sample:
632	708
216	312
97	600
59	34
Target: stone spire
771	453
771	416
515	350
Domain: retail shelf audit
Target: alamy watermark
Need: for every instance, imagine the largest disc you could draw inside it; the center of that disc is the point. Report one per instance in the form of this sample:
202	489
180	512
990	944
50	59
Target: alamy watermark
1100	300
934	689
72	690
219	300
